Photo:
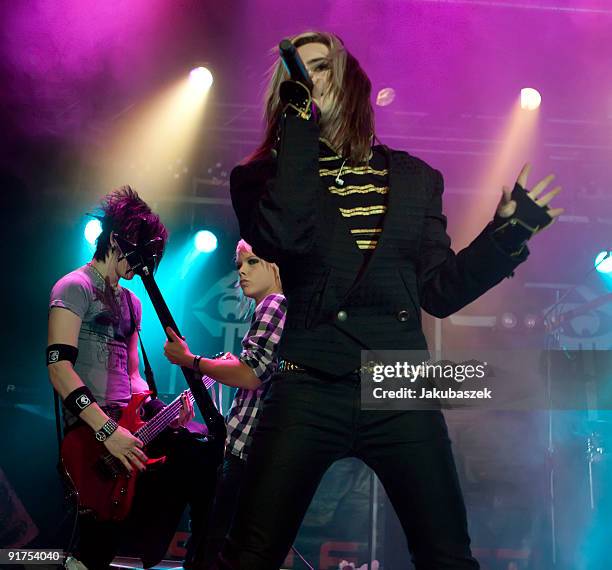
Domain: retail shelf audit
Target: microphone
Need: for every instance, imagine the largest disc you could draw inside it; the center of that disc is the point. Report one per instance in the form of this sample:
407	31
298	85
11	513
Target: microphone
294	64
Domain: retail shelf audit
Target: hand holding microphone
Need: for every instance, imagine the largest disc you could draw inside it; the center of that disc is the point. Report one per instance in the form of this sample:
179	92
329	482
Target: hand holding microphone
295	93
293	64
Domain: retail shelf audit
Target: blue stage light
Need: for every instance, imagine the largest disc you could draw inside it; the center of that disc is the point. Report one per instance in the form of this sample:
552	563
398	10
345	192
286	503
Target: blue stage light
92	230
603	262
205	241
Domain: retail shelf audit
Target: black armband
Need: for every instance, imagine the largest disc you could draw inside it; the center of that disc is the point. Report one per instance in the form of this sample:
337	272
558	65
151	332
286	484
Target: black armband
78	400
528	219
57	352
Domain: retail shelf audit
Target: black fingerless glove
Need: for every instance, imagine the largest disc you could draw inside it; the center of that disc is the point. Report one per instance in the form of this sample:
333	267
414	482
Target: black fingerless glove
528	219
296	99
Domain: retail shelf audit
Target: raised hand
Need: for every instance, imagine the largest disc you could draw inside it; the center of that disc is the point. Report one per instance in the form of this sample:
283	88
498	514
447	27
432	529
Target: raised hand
507	205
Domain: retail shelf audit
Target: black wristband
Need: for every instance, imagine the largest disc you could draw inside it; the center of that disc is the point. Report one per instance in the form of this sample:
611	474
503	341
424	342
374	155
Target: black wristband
106	430
78	400
196	363
57	352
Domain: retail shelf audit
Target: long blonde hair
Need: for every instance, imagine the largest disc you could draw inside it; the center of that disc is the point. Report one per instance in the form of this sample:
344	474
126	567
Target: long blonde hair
349	125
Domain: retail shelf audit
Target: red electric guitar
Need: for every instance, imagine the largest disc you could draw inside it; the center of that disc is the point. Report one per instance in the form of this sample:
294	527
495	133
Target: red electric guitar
100	480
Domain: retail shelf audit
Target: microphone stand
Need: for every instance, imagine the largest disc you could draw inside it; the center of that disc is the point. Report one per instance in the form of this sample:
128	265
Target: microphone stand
552	341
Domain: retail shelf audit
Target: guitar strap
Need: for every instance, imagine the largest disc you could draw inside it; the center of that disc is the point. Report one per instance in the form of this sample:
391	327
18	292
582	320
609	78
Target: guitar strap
149	376
58	429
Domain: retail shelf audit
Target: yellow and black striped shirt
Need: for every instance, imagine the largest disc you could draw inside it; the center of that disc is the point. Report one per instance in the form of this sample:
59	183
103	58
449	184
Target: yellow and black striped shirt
363	193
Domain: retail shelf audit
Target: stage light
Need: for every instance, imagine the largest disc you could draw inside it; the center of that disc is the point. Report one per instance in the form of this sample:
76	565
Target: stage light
205	241
508	320
385	96
201	78
530	99
603	262
92	230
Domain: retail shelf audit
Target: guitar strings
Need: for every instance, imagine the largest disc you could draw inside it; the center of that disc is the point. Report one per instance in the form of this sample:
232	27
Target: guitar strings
167	414
148	431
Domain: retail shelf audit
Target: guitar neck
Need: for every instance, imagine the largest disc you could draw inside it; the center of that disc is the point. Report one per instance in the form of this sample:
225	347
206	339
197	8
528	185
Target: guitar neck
213	419
166	416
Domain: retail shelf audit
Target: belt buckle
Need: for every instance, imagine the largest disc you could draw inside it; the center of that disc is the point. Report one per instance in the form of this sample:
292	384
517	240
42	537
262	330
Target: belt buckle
368	367
288	366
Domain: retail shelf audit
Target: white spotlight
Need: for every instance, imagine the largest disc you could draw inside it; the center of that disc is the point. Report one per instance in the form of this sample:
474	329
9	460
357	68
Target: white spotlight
530	99
93	229
205	241
603	262
201	78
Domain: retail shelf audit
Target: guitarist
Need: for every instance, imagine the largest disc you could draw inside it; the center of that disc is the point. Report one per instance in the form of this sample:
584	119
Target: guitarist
250	373
92	359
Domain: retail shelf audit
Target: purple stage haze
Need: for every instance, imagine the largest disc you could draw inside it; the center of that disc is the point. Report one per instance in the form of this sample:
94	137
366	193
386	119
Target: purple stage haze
71	63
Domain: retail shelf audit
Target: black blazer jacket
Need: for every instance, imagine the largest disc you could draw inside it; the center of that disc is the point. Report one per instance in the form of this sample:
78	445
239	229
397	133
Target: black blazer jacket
337	306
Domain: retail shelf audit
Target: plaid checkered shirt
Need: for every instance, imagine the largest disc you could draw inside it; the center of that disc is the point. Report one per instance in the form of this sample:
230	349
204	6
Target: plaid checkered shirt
259	350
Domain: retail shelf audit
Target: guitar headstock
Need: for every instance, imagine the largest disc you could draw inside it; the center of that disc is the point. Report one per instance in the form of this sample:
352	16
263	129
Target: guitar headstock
143	258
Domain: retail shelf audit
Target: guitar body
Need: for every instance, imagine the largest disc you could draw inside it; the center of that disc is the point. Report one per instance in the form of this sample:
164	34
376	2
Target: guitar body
103	485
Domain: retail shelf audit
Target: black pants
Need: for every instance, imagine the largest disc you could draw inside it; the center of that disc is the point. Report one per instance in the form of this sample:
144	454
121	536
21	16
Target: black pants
307	423
162	492
225	502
